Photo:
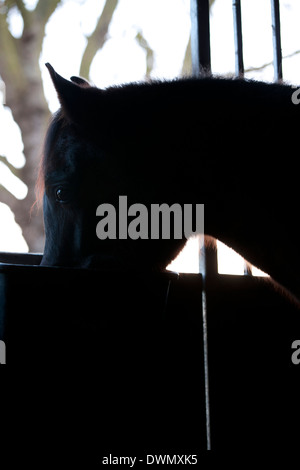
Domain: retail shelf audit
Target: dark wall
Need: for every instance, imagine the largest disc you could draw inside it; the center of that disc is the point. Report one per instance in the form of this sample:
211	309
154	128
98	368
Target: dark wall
127	368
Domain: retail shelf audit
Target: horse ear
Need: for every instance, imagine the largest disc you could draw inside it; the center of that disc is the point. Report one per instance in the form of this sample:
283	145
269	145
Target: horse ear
80	81
73	96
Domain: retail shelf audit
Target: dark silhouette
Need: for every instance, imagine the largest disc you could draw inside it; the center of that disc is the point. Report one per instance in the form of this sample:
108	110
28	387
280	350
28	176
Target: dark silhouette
228	143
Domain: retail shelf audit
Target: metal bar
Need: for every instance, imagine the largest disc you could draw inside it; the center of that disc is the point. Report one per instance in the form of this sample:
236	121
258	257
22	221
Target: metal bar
2	306
277	54
200	37
201	65
238	38
247	268
206	370
207	266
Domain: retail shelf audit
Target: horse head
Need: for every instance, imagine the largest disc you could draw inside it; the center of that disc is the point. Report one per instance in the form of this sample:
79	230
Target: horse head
92	155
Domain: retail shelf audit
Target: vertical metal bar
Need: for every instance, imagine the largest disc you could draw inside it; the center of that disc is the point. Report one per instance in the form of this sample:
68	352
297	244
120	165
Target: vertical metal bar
201	64
211	258
2	305
277	54
247	268
238	38
203	265
206	370
200	37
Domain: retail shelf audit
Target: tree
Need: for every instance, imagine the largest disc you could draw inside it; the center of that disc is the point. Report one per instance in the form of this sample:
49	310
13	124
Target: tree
20	71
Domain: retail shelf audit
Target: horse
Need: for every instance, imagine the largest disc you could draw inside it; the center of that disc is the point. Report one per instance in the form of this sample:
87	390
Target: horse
227	142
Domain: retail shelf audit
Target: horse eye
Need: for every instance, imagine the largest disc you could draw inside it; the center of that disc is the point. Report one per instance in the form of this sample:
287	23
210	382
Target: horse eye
62	195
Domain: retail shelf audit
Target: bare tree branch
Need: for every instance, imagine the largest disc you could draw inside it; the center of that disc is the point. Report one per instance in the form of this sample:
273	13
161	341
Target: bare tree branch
187	61
12	168
292	54
10	68
7	198
24	12
21	6
268	64
97	39
258	68
45	9
149	53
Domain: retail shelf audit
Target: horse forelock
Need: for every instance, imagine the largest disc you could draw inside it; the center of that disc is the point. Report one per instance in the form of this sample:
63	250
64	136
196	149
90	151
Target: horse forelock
47	161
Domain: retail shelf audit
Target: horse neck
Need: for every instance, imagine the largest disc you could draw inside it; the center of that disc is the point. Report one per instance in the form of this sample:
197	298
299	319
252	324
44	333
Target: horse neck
257	216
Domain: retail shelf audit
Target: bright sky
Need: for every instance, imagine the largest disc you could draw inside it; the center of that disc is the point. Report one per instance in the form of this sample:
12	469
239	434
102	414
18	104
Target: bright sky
165	25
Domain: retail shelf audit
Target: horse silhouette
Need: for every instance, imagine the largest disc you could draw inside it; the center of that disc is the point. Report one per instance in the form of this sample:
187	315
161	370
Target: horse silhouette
228	143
